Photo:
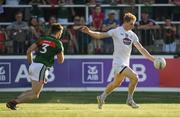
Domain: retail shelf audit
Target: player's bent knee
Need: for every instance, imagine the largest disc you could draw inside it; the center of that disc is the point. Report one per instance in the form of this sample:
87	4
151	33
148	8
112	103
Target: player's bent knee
135	79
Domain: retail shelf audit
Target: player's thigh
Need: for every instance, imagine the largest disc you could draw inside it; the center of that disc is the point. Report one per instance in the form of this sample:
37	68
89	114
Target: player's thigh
36	86
119	77
128	72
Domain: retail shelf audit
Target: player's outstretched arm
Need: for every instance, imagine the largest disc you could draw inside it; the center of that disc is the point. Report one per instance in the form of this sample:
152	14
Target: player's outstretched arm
32	48
144	52
94	34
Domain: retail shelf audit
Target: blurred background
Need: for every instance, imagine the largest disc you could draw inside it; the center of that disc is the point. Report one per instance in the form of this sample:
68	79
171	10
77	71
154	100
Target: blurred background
23	21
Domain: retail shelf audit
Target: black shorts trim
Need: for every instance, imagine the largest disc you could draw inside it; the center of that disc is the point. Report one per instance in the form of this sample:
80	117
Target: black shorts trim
42	73
123	69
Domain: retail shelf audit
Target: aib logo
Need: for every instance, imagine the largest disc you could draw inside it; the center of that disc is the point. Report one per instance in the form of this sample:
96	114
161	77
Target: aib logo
5	73
92	72
2	70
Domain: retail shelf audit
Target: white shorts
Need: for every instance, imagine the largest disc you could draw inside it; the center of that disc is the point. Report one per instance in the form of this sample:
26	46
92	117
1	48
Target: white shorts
118	68
38	72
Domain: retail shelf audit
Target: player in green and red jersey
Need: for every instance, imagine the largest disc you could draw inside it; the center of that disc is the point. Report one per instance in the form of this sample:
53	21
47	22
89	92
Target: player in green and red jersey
46	47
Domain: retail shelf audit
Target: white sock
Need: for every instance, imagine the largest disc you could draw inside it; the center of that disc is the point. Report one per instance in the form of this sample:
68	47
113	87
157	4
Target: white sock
104	95
130	97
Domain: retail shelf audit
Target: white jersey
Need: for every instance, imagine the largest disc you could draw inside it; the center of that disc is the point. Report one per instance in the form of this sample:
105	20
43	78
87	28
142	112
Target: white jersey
123	41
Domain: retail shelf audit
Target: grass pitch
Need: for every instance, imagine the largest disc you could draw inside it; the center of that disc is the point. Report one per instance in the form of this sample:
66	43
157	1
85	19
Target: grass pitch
83	104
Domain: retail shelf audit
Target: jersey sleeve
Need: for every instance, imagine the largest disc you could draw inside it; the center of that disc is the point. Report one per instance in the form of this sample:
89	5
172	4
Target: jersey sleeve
60	47
135	38
110	32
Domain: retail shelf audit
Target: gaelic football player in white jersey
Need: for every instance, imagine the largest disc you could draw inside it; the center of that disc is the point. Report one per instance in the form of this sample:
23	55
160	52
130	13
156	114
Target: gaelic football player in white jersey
123	39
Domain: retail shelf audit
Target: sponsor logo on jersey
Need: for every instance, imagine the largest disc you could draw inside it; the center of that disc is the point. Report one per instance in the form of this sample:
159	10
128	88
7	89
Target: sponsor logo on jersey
50	43
127	41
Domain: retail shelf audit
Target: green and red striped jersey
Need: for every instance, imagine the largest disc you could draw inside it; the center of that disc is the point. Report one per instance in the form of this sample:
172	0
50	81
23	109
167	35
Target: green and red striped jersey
48	47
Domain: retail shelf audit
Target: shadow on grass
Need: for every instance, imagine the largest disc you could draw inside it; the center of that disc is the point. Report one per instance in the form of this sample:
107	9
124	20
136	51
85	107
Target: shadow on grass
90	97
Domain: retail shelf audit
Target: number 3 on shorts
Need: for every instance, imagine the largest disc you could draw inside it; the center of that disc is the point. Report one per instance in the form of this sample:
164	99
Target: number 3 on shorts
44	48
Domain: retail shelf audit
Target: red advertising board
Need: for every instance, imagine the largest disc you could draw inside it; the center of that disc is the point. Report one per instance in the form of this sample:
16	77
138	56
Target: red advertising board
170	76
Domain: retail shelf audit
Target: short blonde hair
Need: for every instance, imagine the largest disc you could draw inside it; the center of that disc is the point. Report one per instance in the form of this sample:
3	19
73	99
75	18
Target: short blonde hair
129	17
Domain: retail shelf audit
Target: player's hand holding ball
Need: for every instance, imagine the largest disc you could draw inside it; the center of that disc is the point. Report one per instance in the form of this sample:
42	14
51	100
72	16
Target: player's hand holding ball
159	63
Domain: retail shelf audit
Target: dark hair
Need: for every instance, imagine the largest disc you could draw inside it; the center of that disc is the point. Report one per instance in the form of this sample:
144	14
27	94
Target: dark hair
97	5
56	27
18	12
32	17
